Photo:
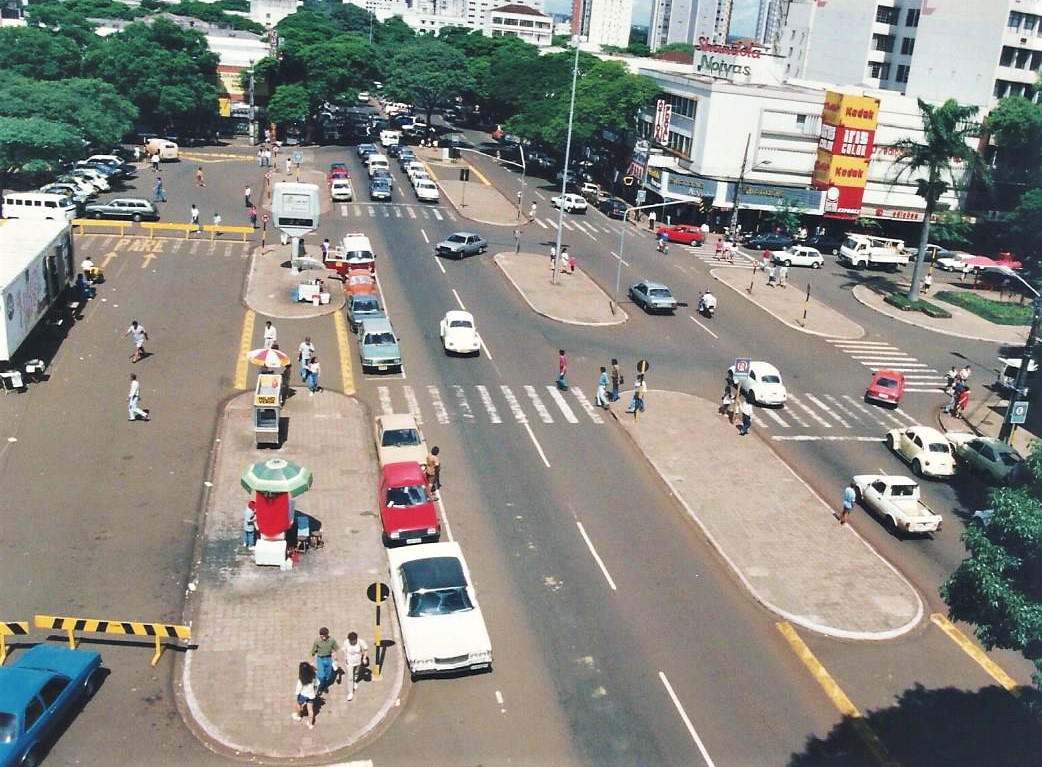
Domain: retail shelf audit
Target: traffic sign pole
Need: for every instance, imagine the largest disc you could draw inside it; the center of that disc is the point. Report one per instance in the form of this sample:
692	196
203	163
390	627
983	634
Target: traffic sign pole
377	593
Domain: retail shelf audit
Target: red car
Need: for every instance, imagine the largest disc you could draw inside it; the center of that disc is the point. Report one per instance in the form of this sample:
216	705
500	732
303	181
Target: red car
886	388
407	510
685	234
337	170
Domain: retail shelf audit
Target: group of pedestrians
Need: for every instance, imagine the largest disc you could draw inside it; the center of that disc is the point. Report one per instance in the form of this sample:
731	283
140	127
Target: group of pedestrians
609	381
310	369
332	663
958	390
733	403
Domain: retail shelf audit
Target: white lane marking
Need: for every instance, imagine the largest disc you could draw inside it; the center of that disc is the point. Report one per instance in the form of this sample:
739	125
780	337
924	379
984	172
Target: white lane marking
412	213
587	405
902	368
538	447
438	215
840	406
874	414
616	256
540	223
440	264
513	404
827	409
426	239
499	700
385	400
484	346
458	300
596	556
397	212
933	390
439	407
372	212
821	421
490	406
588	234
555	395
444	514
414	404
843	342
781	421
686	720
461	401
758	421
707	330
540	408
820	438
343	209
789	412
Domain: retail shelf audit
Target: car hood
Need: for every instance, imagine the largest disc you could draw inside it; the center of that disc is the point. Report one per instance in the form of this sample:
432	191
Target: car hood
445	636
390	350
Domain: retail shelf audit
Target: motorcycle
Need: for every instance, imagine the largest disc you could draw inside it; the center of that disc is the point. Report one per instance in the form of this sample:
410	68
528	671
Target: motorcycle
707	305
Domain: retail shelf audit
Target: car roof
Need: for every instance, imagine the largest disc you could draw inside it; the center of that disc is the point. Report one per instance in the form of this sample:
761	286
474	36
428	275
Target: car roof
377	325
927	432
397	421
18	686
654	285
888	373
458	314
463	234
359	297
403	473
399	556
764	367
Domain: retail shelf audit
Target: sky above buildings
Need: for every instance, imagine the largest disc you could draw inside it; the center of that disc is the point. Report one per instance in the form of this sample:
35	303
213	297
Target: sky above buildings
743	15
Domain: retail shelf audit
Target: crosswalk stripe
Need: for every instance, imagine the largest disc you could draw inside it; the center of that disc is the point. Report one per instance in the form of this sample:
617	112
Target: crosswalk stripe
397	212
385	400
780	421
540	408
848	342
821	421
343	209
827	409
437	215
841	407
412	213
513	404
414	405
540	223
789	412
555	395
462	403
490	406
917	367
587	405
440	412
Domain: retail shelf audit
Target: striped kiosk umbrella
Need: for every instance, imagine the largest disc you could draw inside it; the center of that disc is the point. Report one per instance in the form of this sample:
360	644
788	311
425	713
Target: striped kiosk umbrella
277	475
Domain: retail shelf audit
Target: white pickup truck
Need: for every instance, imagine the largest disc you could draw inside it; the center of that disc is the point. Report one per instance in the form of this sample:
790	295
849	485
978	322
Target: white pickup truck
895	500
860	251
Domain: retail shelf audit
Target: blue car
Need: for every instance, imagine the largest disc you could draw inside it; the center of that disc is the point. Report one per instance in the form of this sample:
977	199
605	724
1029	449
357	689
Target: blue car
37	693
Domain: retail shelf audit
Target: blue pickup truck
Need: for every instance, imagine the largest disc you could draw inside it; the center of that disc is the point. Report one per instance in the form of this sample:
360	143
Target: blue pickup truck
37	693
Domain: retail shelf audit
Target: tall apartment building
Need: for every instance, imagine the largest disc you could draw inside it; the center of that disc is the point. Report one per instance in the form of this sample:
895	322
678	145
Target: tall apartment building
685	21
603	22
430	16
973	51
768	21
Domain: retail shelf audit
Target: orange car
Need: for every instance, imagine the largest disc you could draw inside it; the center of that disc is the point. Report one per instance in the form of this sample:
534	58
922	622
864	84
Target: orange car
360	281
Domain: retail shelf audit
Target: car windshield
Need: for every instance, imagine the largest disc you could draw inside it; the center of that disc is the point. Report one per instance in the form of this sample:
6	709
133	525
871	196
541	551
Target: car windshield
379	339
659	293
461	324
440	602
939	447
401	437
770	378
410	495
457	238
367	305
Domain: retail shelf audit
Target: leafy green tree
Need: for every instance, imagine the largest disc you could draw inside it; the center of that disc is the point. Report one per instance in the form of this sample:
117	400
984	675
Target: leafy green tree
947	132
393	34
951	230
637	48
30	144
338	67
998	587
288	102
38	53
785	216
59	18
1025	225
1015	127
428	73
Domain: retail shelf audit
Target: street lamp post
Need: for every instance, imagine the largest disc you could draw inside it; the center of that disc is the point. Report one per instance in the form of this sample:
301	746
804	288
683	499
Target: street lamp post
738	189
1006	432
253	109
567	160
622	235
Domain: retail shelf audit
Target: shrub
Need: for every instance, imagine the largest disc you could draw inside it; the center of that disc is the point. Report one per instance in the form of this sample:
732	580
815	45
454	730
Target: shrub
999	312
900	300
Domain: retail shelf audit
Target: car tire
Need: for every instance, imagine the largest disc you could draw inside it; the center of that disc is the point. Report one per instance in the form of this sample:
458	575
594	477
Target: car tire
917	468
751	396
32	759
890	441
136	218
787	262
816	265
96	214
91	685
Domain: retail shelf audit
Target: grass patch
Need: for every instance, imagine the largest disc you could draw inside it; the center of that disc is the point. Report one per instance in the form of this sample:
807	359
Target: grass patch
900	300
999	312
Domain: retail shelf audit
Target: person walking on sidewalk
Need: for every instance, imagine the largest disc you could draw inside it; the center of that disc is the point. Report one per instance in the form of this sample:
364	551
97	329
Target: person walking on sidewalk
306	693
531	211
252	213
322	650
246	192
927	282
138	335
783	275
746	409
305	352
193	214
432	470
134	410
961	402
155	162
553	256
602	389
727	400
249	525
640	391
765	260
289	165
314	371
200	179
217	222
271	335
965	373
616	379
562	370
849	496
652	217
355	653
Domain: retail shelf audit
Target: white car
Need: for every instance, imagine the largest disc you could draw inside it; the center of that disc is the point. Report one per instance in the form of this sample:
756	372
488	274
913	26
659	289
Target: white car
341	191
925	448
799	255
427	191
399	439
91	176
458	334
763	385
955	262
443	630
413	166
419	175
572	203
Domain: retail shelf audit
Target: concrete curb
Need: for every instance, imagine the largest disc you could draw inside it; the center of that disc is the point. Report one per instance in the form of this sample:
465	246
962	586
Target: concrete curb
562	320
330	308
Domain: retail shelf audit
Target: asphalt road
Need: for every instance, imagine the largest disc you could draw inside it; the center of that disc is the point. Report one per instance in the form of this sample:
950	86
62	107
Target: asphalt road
620	637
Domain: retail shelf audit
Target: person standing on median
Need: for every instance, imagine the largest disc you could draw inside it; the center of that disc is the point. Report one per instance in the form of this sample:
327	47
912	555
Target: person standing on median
849	496
322	650
194	216
355	653
616	379
746	409
640	391
271	335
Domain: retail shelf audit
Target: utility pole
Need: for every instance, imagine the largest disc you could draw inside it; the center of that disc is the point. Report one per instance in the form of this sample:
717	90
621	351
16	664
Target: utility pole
1006	432
738	189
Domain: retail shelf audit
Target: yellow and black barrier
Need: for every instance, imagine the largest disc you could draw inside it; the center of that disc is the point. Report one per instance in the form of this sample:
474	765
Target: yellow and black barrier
159	631
11	628
151	227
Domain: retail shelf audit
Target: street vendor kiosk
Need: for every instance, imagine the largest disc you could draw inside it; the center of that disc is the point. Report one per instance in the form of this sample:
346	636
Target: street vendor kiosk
267	408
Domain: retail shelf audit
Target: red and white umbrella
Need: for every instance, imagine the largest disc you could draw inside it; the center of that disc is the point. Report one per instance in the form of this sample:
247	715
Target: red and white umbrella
268	358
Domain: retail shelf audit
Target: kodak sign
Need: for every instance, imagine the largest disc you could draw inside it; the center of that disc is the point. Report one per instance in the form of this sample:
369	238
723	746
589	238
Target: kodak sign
848	129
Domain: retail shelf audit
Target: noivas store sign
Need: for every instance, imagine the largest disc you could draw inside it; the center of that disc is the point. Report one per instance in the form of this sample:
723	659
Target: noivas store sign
726	61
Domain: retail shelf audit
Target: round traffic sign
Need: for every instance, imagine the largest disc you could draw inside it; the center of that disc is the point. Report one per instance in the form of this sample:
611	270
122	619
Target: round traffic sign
643	366
376	592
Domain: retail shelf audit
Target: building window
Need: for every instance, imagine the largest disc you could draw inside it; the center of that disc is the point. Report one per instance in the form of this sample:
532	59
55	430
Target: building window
884	71
1030	22
1015	20
1001	89
884	43
908	46
902	73
912	17
886	14
874	69
1006	57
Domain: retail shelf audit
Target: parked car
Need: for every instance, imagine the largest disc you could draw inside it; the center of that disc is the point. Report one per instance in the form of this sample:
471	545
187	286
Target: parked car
399	439
379	189
924	448
769	241
824	243
763	385
614	208
571	175
799	255
426	191
362	307
461	244
360	281
989	456
653	297
79	184
886	387
955	261
458	334
39	691
443	630
407	512
685	234
132	208
378	346
572	203
70	191
341	190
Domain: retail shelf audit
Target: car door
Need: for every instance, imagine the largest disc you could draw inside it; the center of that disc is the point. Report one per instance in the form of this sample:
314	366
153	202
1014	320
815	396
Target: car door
987	459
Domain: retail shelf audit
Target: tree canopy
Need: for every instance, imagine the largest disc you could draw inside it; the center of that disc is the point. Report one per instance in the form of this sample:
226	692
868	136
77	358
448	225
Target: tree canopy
428	73
38	53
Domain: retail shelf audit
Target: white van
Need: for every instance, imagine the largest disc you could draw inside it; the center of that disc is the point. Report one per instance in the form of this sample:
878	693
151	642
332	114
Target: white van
39	205
167	150
375	161
390	137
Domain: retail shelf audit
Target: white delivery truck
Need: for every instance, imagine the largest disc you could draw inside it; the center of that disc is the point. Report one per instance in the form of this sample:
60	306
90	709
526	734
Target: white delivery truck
860	251
36	269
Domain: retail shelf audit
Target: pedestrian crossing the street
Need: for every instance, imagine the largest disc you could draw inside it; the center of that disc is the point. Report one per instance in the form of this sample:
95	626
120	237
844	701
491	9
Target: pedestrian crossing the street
876	355
490	404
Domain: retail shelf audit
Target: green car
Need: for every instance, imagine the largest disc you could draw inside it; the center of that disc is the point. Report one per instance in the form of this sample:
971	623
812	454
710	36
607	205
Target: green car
378	346
362	307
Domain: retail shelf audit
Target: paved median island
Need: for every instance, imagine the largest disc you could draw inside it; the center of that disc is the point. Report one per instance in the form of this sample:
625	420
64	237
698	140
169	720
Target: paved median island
575	299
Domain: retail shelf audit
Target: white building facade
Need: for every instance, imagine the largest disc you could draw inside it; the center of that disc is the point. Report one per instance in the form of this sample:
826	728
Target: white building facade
686	21
603	22
431	16
520	21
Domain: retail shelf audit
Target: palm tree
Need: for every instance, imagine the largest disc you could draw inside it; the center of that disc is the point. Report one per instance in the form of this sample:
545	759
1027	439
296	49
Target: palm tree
947	131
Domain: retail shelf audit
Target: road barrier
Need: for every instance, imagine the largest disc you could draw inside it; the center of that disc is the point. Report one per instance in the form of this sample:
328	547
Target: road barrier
158	631
152	227
11	628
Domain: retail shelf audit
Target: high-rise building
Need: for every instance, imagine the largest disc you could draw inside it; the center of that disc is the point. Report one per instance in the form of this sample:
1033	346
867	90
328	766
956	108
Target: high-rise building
603	22
430	16
768	22
685	21
974	52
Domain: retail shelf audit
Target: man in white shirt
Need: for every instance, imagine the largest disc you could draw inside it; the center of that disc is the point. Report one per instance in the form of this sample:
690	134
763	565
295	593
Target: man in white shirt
356	657
271	335
134	410
304	355
138	335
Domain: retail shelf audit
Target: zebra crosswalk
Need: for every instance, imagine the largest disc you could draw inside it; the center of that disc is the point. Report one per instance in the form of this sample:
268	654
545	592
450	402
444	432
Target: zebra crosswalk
491	404
397	211
875	355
